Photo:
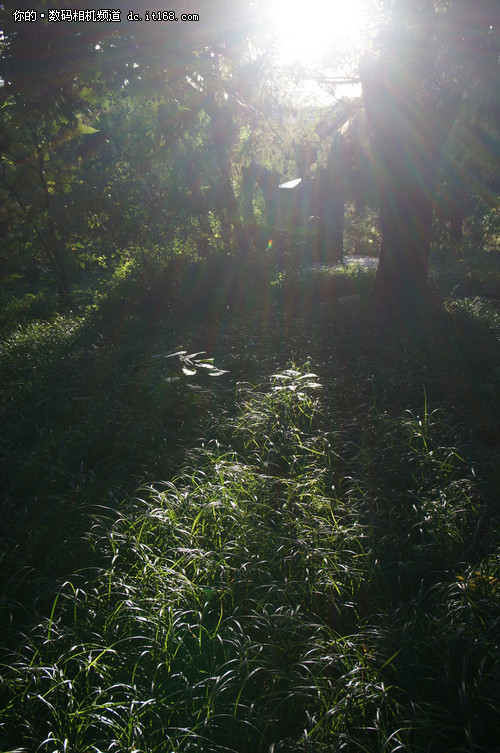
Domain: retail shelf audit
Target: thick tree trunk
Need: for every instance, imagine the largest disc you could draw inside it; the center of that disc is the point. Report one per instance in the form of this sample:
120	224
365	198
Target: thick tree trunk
269	181
410	126
333	205
406	223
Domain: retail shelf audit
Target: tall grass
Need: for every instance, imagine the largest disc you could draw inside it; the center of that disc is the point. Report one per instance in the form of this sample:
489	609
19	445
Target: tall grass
90	408
302	585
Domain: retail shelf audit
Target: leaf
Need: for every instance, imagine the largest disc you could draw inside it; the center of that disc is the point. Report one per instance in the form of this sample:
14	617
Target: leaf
171	355
191	356
82	128
188	372
87	93
389	660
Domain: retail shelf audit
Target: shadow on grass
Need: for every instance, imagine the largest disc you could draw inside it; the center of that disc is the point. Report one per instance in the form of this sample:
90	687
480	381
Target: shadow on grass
92	408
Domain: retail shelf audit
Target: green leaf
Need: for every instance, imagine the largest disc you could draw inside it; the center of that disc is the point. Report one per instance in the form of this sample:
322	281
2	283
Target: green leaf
191	356
82	128
87	93
170	355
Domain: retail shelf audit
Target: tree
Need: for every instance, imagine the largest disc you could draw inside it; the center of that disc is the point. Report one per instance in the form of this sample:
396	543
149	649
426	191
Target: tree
332	204
268	182
413	93
468	182
148	90
41	96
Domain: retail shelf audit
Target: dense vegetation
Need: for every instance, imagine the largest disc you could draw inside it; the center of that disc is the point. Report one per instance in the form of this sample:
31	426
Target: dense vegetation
231	550
249	502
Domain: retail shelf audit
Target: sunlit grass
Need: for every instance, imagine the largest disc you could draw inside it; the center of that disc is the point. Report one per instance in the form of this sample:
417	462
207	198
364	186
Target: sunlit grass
318	569
296	588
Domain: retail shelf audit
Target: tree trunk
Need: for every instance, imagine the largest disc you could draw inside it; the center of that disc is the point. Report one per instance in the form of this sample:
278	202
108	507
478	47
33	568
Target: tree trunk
268	181
230	205
410	125
247	191
332	210
222	127
406	223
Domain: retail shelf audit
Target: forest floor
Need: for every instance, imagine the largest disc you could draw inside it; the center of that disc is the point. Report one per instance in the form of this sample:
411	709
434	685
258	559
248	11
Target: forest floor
242	515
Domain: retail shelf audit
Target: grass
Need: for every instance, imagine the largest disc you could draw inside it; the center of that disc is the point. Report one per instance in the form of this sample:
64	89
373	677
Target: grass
319	568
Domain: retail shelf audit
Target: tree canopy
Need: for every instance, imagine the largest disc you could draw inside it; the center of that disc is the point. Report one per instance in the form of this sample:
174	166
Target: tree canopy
122	134
318	568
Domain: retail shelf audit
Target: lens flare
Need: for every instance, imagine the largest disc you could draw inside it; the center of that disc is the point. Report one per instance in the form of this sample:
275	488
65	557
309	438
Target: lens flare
306	32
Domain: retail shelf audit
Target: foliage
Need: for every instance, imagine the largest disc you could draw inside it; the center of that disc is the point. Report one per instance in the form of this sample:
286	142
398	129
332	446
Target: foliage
246	506
115	150
320	571
426	63
133	146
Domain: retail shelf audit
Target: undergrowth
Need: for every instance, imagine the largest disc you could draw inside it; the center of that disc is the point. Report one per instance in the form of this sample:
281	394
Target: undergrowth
318	569
303	585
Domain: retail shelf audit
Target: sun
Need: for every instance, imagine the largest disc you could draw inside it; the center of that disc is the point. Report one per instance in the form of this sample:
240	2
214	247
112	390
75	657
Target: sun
307	30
